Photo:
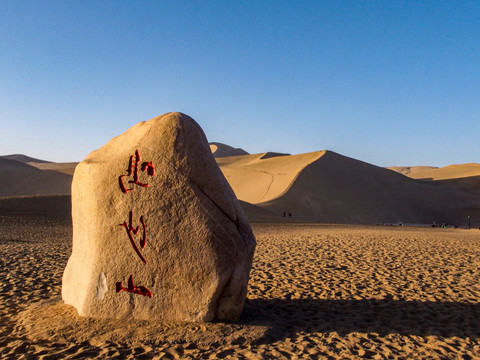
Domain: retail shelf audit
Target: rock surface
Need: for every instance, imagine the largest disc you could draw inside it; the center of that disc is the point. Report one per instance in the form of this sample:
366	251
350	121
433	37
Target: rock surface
158	233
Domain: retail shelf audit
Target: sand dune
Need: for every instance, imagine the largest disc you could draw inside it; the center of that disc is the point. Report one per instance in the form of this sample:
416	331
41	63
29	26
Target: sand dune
24	159
410	170
222	150
468	184
443	173
328	187
256	213
262	177
18	178
314	187
40	206
465	177
66	168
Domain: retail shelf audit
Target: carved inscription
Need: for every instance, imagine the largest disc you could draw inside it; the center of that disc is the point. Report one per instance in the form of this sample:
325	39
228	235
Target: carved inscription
142	290
131	230
146	166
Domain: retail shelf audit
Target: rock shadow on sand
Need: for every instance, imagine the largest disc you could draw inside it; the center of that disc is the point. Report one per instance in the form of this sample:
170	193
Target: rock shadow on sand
288	317
264	321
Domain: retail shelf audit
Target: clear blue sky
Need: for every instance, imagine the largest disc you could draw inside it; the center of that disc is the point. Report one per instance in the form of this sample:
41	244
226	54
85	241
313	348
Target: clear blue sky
386	82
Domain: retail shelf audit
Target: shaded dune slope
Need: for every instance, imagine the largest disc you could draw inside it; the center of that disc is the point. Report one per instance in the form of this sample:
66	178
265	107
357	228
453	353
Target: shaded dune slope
42	206
18	178
468	184
222	150
465	177
66	168
335	188
24	159
256	213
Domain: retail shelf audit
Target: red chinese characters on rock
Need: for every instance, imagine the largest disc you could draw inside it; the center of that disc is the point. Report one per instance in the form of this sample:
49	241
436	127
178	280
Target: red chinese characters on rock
142	290
133	231
146	166
133	168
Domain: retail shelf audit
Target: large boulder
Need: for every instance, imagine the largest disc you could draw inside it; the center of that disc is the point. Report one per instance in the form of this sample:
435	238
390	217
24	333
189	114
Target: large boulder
158	233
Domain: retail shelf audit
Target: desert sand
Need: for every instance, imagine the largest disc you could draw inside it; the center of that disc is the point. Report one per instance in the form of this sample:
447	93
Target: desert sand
316	291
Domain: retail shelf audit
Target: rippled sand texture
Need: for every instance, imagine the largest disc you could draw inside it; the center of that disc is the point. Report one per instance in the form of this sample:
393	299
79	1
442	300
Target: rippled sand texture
315	292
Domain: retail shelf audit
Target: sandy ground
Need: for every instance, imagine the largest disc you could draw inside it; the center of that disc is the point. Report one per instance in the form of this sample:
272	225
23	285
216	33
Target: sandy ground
316	291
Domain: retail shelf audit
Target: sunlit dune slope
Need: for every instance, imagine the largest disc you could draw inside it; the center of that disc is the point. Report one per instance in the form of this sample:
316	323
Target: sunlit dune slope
263	177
